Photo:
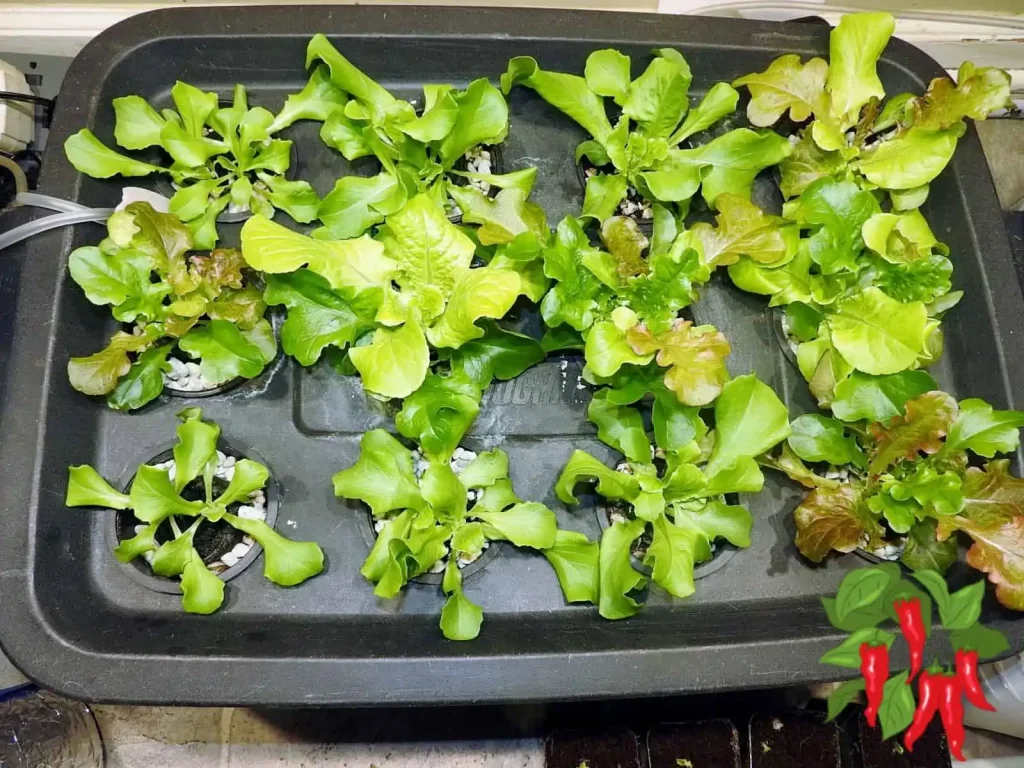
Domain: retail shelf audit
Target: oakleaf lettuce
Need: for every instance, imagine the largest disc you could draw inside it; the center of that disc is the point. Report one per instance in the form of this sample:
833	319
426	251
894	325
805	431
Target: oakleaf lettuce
439	513
677	507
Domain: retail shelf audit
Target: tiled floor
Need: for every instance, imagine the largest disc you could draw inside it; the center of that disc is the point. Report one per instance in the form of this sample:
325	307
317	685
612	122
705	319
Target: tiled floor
190	737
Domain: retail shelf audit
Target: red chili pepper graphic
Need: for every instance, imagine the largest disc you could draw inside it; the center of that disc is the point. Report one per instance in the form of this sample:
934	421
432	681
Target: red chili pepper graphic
874	667
927	706
912	626
951	707
967	673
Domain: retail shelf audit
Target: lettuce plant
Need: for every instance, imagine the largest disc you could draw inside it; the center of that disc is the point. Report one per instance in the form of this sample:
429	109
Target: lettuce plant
921	474
654	118
869	281
625	301
672	495
205	305
154	498
418	153
407	309
221	155
438	514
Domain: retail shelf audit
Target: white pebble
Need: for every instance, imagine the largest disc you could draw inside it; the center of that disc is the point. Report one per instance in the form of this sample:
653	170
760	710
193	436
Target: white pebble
248	513
380	525
139	529
192	368
241	549
229	559
437	567
249	540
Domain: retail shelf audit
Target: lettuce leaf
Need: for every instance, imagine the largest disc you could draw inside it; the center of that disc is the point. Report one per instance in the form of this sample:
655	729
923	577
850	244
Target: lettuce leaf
619	580
855	46
787	85
695	358
395	363
749	420
878	398
382	477
355	264
319	316
879	335
730	162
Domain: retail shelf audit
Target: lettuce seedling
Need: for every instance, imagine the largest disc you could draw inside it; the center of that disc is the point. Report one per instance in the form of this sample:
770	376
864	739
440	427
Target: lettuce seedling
869	281
673	494
221	155
625	301
436	515
154	498
642	149
418	153
206	305
918	473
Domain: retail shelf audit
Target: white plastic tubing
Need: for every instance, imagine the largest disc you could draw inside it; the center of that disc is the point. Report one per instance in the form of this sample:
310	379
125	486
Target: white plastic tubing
67	213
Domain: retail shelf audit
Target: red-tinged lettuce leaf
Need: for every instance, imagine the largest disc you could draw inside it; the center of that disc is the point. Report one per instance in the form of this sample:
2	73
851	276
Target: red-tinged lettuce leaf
743	229
695	358
98	373
978	91
999	552
992	498
221	268
926	422
832	519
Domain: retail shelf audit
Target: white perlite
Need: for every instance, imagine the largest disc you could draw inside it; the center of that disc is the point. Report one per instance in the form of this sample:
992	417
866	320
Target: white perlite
791	340
478	160
891	552
461	459
636	208
836	473
256	509
186	377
